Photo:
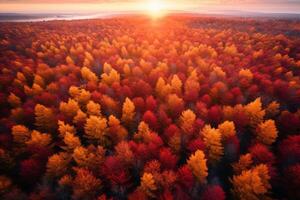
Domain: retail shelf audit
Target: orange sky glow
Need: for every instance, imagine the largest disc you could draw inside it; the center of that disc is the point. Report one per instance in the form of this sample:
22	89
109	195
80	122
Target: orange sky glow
79	6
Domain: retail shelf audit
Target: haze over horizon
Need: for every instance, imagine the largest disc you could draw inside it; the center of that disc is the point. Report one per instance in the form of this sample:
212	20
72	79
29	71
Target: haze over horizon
98	6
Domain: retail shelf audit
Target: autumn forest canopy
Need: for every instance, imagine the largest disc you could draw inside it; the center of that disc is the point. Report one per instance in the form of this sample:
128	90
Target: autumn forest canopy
182	107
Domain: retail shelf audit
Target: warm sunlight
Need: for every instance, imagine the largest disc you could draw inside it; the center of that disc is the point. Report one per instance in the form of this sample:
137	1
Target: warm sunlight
156	8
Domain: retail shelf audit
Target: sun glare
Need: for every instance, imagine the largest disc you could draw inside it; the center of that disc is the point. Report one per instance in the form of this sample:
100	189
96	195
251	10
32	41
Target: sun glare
156	8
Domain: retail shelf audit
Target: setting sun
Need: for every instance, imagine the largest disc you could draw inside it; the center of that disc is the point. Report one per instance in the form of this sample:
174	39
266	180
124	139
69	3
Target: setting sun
156	8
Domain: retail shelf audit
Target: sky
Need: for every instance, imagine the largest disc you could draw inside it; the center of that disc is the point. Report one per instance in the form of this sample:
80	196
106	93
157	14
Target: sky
96	6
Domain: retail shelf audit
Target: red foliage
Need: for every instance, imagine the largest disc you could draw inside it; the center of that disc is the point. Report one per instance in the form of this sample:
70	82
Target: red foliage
213	193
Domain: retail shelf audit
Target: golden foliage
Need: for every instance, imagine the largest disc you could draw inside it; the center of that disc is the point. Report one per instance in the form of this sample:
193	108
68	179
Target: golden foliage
246	73
44	118
176	85
227	129
80	117
197	164
252	184
187	121
162	89
148	184
243	164
20	133
89	157
111	77
14	100
93	108
71	141
128	111
267	132
80	95
39	139
255	112
70	108
57	164
64	128
212	139
88	75
143	133
113	121
95	128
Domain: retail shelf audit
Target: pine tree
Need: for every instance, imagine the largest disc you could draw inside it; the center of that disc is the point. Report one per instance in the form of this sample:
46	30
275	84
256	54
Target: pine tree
44	118
128	111
212	139
95	128
267	132
197	164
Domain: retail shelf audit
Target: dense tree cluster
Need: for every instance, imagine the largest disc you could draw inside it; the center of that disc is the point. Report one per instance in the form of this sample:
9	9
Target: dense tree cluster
130	108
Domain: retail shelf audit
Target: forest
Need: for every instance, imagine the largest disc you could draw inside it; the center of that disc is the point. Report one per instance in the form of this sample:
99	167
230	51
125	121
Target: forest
181	108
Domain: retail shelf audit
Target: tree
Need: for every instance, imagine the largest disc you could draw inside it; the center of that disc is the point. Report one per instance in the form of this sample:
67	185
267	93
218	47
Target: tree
85	184
21	134
63	128
39	139
187	121
71	141
88	75
255	112
96	128
14	100
266	132
93	108
44	118
212	140
176	85
128	111
57	164
197	164
148	184
70	108
252	184
227	129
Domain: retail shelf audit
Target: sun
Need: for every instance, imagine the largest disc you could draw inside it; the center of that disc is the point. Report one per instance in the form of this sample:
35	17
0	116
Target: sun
156	8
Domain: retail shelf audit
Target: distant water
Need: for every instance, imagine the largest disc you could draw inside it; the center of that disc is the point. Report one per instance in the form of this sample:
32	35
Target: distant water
16	17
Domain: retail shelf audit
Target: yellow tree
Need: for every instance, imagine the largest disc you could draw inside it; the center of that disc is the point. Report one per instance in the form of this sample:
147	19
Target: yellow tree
63	128
187	121
176	85
70	108
128	111
21	134
255	112
95	128
39	139
93	108
71	141
266	132
88	75
197	164
148	184
243	164
14	100
212	139
227	129
44	118
57	164
252	184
